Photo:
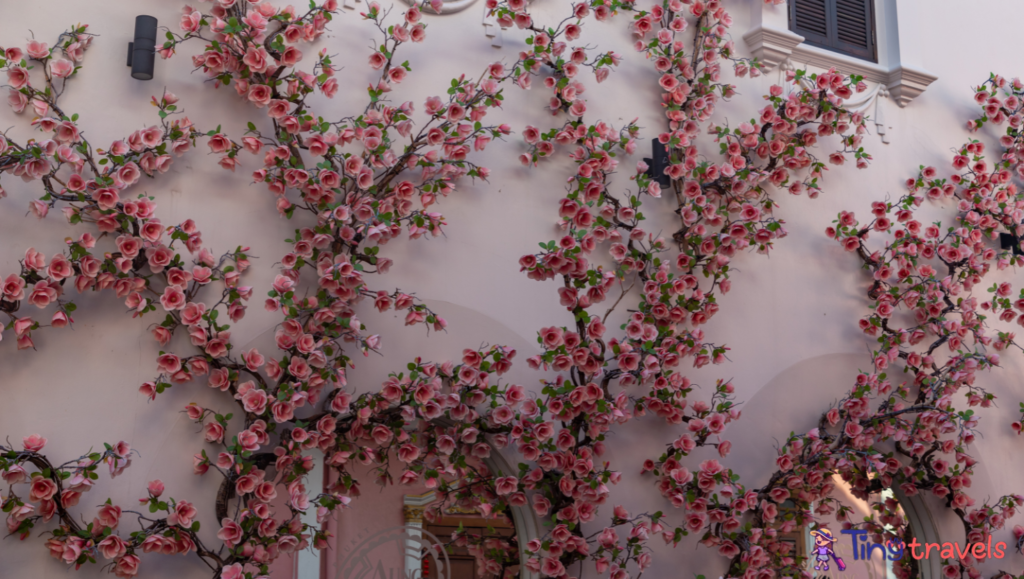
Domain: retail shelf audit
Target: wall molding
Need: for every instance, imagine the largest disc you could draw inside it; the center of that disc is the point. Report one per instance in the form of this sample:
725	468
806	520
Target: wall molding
773	44
448	7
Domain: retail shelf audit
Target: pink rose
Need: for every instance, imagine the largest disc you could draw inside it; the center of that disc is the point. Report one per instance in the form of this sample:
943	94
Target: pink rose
378	60
255	401
219	143
38	208
233	571
17	101
34	443
112	547
61	68
214	432
266	491
298	367
330	88
552	567
14	474
173	298
260	95
217	348
42	489
127	566
17	77
381	434
291	56
60	268
152	136
108	516
191	22
230	532
552	337
183	514
248	440
408	452
14	288
506	485
38	50
72	549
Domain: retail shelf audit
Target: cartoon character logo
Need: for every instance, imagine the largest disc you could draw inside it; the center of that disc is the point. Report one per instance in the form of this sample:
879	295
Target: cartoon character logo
823	541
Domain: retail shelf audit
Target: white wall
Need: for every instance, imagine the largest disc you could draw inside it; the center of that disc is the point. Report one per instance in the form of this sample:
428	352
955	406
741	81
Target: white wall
790	319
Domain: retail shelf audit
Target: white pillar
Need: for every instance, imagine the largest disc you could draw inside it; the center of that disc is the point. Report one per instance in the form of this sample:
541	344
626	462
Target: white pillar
413	507
309	559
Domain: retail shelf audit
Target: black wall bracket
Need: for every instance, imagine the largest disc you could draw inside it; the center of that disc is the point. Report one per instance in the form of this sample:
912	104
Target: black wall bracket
1009	240
659	162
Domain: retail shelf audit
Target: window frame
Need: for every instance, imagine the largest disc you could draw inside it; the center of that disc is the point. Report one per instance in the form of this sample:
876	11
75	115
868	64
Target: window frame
831	40
798	537
469	520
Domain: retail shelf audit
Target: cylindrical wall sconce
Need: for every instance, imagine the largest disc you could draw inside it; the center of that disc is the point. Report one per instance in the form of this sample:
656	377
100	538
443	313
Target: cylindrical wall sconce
142	51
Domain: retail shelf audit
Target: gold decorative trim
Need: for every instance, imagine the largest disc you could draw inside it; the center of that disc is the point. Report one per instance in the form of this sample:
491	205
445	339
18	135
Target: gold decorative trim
457	510
413	514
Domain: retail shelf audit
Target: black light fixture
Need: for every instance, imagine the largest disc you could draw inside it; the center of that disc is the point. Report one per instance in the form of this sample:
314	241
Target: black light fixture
1009	240
142	51
656	166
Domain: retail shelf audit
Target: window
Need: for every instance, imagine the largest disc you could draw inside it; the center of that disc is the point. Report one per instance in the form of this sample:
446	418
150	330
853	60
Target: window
797	538
844	26
462	564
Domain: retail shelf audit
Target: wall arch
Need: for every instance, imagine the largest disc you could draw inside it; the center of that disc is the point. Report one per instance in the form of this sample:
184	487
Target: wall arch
388	506
525	519
792	401
923	525
527	526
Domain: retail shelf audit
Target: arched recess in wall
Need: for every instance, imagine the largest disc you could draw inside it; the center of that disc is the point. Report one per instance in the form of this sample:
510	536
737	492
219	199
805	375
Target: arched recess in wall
925	530
471	329
475	328
792	401
524	520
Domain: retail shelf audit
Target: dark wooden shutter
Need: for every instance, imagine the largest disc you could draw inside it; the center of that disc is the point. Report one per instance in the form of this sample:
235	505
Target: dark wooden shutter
846	26
854	26
809	18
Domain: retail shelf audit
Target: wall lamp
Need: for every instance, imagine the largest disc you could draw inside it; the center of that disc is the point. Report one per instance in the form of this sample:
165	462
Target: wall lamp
656	166
142	51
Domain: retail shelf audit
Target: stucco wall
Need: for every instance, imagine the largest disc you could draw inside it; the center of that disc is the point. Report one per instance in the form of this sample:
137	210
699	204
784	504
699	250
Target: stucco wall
790	319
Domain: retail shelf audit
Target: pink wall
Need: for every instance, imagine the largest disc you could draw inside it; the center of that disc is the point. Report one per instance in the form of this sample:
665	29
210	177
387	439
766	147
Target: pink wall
790	320
376	510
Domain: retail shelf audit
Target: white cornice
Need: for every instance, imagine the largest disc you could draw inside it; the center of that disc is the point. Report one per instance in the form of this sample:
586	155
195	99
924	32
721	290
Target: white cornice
772	46
906	83
821	58
448	6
